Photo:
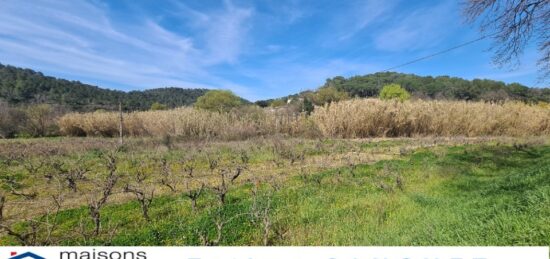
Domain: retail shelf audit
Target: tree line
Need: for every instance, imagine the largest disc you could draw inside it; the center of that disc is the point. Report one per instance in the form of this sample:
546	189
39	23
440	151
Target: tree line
440	87
20	87
420	87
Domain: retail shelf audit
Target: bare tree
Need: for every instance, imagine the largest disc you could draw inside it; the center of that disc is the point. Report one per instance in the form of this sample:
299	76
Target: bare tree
167	177
27	196
222	187
513	24
36	230
143	195
33	167
227	177
220	221
24	236
56	169
95	204
282	150
71	174
262	206
212	161
27	236
11	183
52	215
266	220
193	190
188	166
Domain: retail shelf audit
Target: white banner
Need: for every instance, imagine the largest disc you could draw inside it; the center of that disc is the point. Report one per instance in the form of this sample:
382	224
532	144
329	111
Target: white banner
273	252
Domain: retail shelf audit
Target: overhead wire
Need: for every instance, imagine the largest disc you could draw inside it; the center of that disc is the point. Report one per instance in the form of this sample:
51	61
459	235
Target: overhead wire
438	53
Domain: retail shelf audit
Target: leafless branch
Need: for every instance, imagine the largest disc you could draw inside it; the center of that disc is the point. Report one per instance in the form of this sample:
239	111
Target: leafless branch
513	24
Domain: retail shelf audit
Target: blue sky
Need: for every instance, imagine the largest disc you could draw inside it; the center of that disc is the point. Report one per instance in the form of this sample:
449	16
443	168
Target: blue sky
258	49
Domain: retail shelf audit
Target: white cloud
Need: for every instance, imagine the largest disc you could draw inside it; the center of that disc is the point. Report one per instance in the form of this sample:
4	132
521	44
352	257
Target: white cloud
80	38
226	34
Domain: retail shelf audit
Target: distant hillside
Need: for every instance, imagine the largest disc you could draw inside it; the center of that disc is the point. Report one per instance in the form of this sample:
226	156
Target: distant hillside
23	86
441	87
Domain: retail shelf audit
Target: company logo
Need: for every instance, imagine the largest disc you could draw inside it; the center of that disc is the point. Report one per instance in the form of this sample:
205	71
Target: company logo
101	254
26	255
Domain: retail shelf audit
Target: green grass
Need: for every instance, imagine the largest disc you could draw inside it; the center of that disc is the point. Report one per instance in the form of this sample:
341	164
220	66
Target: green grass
469	196
462	195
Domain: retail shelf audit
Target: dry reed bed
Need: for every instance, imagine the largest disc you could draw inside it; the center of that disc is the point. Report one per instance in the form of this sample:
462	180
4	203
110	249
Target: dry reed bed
374	118
356	118
185	122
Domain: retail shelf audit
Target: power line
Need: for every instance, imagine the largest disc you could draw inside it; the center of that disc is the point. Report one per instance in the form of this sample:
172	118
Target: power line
438	53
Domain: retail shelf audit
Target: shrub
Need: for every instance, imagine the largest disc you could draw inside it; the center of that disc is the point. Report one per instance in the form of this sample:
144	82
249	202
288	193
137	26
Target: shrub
307	106
38	120
41	120
394	92
11	120
328	94
218	100
158	106
278	103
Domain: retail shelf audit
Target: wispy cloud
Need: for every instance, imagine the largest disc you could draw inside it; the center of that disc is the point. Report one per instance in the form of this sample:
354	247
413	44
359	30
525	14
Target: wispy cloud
258	49
226	34
363	14
288	11
419	29
80	38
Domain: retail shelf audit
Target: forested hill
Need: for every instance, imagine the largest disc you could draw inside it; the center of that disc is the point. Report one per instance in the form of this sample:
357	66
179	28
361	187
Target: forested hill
441	87
24	86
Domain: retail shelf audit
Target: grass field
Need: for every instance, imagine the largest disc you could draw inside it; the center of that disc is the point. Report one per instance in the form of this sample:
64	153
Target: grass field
424	191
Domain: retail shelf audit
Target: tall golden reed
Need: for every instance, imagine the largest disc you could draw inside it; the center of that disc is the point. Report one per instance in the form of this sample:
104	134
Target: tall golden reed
185	122
360	118
357	118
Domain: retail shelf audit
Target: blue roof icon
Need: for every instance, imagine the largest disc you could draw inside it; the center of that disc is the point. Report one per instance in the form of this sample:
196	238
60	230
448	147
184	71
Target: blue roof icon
27	255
